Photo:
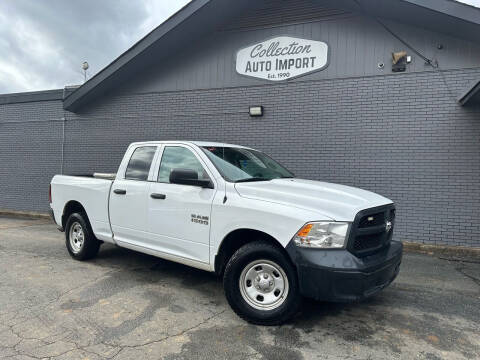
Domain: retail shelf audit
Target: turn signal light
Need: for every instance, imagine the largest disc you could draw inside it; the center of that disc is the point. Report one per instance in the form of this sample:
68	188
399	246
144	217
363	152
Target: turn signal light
305	230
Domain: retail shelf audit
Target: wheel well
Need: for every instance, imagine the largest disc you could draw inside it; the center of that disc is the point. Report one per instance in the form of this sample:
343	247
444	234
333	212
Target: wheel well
235	240
70	208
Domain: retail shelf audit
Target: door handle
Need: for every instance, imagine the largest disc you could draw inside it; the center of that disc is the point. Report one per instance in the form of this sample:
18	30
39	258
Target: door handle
158	196
120	191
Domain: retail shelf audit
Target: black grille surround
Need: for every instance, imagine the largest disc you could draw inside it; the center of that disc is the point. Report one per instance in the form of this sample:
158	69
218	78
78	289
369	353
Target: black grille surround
368	233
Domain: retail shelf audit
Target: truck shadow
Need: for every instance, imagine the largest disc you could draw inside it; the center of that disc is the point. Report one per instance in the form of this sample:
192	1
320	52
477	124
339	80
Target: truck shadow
143	264
143	267
390	320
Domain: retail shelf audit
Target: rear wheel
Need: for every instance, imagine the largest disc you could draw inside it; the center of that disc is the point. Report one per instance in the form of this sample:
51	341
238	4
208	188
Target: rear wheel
261	284
80	240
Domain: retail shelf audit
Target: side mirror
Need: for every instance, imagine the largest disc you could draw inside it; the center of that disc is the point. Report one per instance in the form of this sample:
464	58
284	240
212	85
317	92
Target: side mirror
188	177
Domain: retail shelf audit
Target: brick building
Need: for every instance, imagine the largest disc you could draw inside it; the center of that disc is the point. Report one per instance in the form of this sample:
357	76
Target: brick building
406	126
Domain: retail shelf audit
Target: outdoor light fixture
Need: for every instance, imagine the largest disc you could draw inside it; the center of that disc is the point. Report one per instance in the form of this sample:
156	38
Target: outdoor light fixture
85	67
256	111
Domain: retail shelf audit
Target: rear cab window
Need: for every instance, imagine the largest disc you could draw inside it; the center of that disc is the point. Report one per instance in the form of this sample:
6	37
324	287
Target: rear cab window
140	162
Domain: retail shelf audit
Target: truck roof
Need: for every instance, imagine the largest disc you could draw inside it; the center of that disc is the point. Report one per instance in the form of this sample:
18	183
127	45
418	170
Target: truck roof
197	143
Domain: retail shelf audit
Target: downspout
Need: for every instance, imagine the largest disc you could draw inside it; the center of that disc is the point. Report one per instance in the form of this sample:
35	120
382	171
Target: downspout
64	119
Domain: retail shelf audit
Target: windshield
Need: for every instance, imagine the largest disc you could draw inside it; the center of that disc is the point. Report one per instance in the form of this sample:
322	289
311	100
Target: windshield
242	165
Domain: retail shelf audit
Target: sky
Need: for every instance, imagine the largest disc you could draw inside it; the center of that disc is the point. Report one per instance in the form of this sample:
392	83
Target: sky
471	2
44	43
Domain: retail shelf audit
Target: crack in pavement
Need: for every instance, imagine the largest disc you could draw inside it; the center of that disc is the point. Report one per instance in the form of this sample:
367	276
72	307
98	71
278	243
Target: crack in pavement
116	348
76	346
123	347
35	307
461	270
84	348
32	316
25	338
467	261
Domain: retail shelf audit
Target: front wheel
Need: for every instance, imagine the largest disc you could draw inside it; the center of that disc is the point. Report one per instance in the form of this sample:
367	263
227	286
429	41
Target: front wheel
80	240
261	284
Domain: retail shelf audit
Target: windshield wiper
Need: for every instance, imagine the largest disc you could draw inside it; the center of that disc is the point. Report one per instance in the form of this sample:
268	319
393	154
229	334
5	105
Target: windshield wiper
252	179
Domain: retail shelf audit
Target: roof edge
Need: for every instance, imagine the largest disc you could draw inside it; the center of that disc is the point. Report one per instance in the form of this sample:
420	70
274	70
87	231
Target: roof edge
451	8
71	102
467	95
32	96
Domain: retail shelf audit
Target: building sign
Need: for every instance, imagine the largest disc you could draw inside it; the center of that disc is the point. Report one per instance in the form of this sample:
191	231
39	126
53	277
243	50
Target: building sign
282	58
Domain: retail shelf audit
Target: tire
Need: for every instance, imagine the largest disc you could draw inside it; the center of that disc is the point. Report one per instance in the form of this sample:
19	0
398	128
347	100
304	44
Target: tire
259	301
79	238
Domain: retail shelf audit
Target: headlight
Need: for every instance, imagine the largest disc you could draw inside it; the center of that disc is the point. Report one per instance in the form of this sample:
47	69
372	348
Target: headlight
322	234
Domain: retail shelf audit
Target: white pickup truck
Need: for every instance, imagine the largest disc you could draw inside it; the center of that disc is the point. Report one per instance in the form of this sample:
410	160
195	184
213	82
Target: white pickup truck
235	211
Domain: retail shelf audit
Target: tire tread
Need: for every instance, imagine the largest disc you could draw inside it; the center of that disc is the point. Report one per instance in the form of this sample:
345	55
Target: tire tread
91	244
246	250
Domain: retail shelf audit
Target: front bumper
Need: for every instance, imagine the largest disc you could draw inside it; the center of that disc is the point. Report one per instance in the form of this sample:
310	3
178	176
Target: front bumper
338	275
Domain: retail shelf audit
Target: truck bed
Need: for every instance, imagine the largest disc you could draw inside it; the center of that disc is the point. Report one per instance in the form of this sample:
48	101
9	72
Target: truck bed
91	192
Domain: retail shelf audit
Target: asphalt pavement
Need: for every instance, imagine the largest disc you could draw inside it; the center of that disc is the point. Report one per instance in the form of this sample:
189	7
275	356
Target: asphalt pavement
126	305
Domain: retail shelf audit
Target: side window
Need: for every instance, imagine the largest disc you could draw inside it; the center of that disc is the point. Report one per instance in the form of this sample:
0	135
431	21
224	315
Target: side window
176	157
139	164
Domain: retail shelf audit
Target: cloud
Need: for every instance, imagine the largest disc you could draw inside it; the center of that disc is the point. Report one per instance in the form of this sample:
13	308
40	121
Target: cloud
471	2
44	43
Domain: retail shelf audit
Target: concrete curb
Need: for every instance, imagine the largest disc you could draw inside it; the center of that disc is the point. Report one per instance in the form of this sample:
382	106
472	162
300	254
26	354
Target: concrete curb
25	214
453	252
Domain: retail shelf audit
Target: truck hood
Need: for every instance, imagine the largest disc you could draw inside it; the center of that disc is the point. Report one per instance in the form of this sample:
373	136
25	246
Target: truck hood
326	200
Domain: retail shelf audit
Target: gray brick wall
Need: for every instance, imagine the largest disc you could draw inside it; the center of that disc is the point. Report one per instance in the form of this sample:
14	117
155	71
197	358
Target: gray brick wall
403	136
30	152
